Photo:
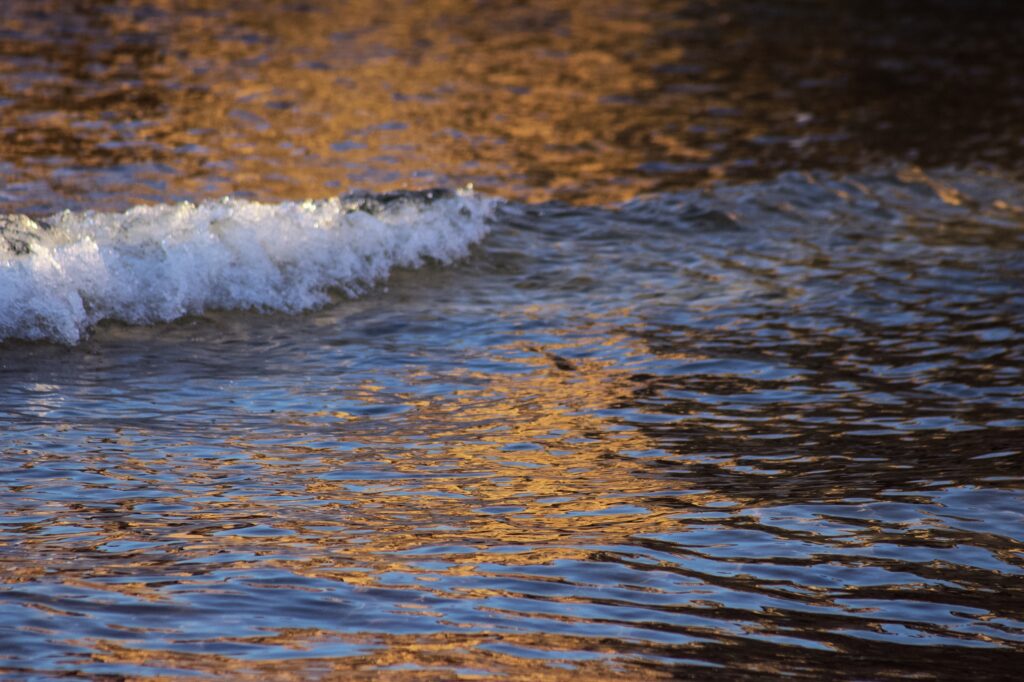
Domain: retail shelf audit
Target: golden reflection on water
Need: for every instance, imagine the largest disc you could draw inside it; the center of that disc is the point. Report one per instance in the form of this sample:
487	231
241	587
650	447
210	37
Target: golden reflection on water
522	470
438	492
264	98
452	493
119	101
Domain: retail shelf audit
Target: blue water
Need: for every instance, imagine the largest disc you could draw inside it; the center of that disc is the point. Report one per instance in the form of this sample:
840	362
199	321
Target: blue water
632	420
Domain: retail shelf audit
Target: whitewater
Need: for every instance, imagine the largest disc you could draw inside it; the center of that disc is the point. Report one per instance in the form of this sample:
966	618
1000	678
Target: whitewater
62	275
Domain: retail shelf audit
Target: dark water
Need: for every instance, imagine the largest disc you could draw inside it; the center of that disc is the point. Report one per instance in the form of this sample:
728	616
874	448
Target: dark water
732	387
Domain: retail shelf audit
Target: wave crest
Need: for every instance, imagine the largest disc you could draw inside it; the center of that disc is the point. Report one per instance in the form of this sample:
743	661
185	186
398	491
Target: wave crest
61	275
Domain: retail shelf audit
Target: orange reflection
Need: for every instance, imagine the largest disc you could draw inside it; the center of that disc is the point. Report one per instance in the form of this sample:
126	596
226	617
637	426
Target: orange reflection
182	100
520	460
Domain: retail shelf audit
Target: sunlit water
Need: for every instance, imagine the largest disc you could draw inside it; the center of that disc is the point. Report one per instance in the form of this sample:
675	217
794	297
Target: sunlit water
710	416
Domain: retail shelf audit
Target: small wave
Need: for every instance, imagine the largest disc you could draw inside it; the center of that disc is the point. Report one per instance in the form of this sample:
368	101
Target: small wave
61	275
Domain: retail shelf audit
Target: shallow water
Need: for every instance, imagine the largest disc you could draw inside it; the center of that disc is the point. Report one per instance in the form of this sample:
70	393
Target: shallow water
756	415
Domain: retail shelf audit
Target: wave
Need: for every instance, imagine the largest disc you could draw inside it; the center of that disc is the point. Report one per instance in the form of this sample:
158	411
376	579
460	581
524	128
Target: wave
62	275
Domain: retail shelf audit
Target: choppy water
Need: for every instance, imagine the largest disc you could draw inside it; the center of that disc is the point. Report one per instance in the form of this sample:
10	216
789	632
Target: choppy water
737	415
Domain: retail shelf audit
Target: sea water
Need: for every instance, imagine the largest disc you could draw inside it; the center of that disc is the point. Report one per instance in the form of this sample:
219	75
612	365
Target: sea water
695	409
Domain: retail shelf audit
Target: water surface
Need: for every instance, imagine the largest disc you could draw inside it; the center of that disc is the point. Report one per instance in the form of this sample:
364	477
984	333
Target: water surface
717	371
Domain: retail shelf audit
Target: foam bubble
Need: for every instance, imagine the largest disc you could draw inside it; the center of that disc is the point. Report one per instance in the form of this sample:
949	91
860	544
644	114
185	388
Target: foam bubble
61	275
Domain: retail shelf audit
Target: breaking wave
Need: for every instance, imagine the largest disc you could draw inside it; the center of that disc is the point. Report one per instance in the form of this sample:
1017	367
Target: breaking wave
61	275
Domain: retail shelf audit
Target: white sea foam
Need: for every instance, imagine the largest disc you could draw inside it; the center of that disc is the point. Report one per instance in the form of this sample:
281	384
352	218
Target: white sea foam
60	276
